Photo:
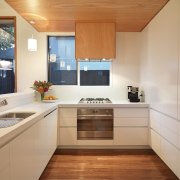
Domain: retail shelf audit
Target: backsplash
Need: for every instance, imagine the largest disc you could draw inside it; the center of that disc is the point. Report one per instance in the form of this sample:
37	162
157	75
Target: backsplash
16	99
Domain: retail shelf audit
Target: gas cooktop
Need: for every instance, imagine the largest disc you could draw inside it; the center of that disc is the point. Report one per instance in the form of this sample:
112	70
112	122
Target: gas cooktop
95	100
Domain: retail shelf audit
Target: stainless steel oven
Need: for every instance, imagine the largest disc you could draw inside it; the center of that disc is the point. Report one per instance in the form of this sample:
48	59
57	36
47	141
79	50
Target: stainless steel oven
94	124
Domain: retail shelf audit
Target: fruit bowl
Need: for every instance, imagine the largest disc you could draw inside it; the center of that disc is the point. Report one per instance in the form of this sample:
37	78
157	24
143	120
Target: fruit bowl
50	99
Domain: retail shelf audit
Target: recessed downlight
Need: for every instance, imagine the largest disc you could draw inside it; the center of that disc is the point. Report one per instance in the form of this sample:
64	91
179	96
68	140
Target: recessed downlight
32	22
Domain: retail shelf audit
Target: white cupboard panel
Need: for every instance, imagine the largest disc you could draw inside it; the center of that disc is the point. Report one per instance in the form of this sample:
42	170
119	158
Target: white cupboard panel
130	136
164	125
178	166
160	68
130	121
68	121
131	112
169	154
68	136
22	156
155	142
67	112
5	163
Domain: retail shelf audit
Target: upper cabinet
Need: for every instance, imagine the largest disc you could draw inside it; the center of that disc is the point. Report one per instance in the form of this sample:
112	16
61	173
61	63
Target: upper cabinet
95	41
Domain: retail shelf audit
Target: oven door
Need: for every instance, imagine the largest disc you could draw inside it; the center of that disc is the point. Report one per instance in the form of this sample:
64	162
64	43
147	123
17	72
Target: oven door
95	124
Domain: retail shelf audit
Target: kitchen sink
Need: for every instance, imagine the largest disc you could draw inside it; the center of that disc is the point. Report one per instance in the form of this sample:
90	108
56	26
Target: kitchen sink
12	118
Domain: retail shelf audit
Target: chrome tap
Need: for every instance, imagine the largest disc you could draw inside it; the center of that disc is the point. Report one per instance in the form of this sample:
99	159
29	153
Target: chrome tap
3	103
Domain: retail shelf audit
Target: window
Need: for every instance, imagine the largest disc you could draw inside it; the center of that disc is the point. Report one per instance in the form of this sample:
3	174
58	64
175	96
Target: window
65	70
95	73
62	63
7	55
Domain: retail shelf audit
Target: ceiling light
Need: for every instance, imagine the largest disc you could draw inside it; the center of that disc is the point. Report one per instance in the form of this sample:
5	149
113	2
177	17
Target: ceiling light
86	59
32	44
32	22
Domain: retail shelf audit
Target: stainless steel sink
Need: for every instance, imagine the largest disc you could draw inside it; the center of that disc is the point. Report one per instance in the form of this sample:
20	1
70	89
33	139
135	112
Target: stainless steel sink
12	118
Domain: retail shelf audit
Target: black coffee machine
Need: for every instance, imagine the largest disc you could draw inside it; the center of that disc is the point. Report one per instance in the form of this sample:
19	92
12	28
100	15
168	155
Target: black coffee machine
133	94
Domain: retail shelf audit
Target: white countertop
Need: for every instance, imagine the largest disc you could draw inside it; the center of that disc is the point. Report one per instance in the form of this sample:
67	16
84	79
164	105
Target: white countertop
41	109
114	104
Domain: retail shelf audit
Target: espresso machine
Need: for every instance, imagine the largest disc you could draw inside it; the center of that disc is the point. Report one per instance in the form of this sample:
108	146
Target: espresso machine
133	94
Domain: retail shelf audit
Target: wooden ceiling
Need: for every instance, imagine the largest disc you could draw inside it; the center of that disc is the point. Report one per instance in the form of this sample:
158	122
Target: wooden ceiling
61	15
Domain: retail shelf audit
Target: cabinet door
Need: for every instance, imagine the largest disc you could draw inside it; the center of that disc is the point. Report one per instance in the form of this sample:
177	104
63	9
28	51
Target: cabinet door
51	133
68	117
131	112
5	163
68	136
131	122
22	153
130	136
95	40
155	142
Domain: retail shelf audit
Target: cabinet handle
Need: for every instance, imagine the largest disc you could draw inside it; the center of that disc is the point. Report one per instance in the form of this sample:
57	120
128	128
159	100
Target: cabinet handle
50	112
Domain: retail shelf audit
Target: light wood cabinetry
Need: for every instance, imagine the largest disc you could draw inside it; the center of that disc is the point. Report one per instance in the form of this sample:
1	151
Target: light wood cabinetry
27	155
131	126
68	126
95	40
5	163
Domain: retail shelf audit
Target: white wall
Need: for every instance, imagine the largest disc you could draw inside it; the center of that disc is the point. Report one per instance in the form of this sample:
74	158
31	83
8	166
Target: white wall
31	65
125	71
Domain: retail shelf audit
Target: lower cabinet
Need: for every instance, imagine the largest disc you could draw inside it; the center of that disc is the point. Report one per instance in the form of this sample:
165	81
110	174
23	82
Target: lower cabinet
166	151
68	136
5	162
130	136
25	157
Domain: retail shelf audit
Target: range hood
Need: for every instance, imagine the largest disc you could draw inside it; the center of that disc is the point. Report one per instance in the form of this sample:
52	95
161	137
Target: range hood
94	60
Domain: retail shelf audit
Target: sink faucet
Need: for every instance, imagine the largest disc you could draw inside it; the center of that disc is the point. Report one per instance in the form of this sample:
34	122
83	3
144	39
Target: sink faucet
3	103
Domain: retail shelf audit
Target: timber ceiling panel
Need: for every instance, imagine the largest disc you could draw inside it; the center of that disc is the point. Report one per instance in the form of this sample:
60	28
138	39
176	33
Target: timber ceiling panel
61	15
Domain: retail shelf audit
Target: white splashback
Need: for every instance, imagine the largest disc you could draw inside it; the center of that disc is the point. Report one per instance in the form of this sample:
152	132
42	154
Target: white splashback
16	99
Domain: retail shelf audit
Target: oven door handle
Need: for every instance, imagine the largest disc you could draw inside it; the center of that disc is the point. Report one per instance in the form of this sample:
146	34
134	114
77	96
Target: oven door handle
106	115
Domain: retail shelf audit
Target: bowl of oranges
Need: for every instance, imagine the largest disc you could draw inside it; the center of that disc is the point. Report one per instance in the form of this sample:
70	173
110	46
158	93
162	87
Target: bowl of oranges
50	99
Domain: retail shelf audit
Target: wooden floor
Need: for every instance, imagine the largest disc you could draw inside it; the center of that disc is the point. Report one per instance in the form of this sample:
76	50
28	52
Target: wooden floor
107	165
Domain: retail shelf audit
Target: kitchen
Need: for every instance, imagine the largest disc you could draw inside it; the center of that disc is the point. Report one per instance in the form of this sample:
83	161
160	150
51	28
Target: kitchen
141	51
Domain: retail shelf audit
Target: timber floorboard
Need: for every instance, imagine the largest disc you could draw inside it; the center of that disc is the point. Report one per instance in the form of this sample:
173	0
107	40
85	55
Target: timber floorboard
123	164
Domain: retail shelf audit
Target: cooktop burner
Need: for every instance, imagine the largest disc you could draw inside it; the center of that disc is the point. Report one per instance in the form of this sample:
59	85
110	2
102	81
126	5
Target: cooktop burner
95	100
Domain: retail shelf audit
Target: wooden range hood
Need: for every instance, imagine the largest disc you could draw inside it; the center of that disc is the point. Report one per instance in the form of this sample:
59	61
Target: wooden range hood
95	41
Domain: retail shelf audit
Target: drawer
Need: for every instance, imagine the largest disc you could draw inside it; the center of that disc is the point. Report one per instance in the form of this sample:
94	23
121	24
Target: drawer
130	136
68	136
131	122
155	142
68	121
68	112
165	126
131	112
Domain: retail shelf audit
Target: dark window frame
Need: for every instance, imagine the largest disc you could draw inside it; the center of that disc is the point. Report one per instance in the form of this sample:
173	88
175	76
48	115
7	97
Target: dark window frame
48	55
15	48
77	67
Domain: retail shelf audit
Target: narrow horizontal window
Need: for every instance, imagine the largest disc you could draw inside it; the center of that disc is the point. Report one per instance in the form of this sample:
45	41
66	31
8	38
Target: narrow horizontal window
95	73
